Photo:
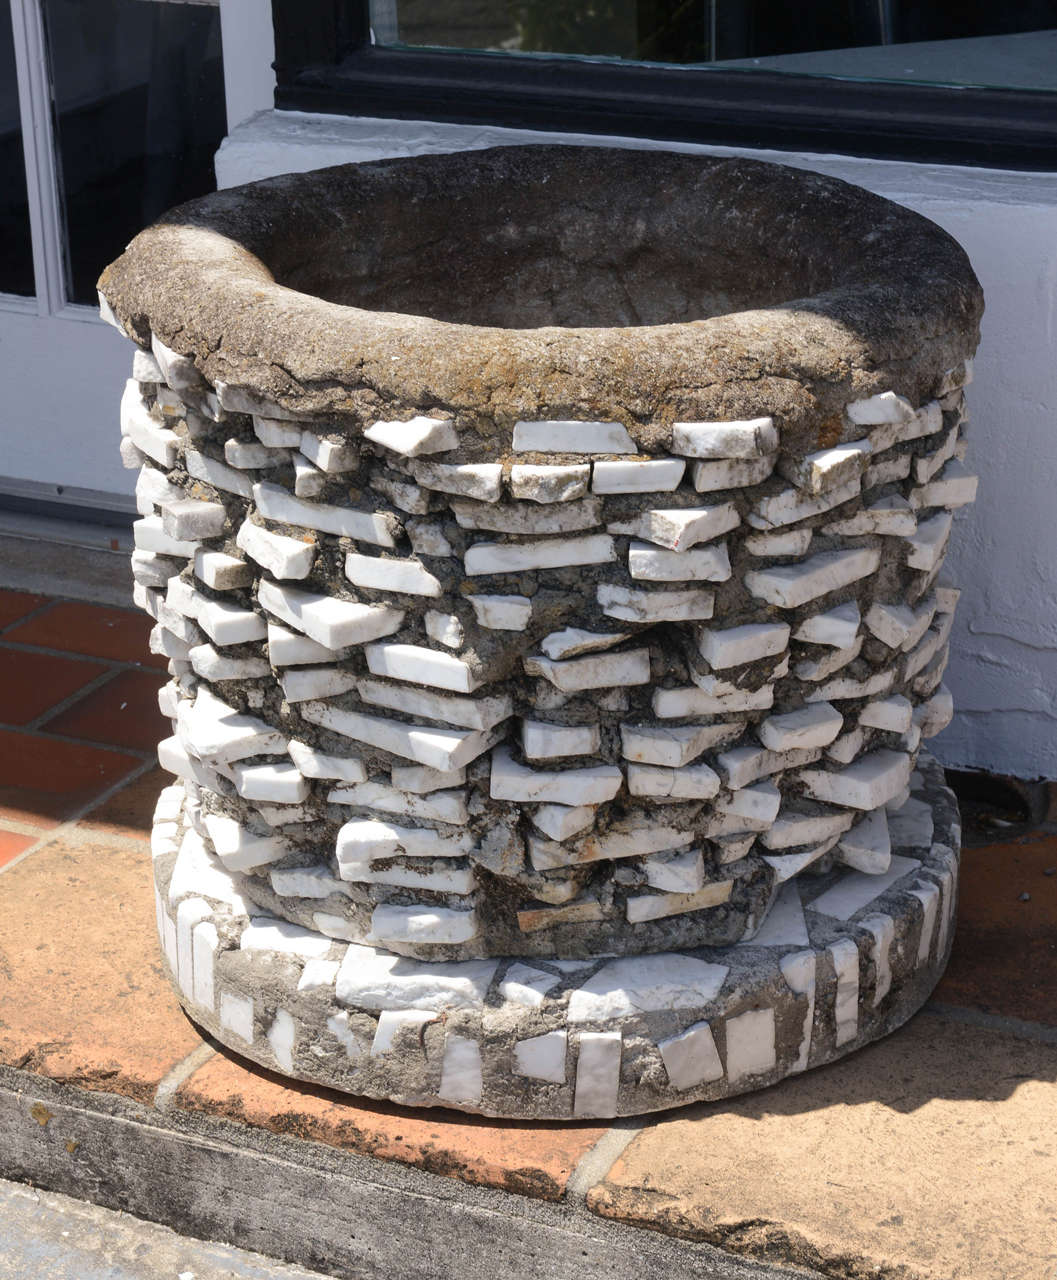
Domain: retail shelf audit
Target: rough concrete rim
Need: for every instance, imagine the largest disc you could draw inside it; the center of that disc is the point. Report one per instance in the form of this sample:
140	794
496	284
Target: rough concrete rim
906	302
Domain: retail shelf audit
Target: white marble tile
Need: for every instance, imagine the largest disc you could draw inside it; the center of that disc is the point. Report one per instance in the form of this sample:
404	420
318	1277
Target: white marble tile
432	745
305	882
629	605
391	1022
890	623
838	628
791	542
265	933
420	780
549	483
561	821
674	745
370	840
445	628
791	506
542	1057
928	895
816	725
213	666
799	971
845	687
421	925
511	781
415	437
886	470
601	671
892	714
645	983
476	712
216	732
791	830
275	503
330	622
657	475
221	571
480	480
502	613
691	1058
212	471
309	481
791	585
827	469
572	642
647	563
891	517
680	528
236	1015
954	486
149	535
597	1073
867	846
240	849
750	1044
554	553
572	437
927	547
318	975
844	956
541	741
301	684
279	783
732	473
205	943
520	518
679	872
522	984
743	765
276	433
689	782
784	924
659	906
885	407
407	577
733	646
252	455
747	438
816	669
189	519
437	806
677	703
420	665
855	890
871	781
882	931
291	649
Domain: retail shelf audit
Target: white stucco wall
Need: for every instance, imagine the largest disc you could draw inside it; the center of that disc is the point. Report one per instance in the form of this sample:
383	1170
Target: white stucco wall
1003	670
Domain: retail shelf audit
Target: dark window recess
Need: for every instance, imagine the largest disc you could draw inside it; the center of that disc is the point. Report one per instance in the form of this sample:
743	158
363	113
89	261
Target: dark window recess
16	252
966	82
139	102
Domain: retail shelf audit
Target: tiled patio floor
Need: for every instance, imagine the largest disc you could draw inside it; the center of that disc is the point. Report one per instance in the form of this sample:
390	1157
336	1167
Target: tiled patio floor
929	1156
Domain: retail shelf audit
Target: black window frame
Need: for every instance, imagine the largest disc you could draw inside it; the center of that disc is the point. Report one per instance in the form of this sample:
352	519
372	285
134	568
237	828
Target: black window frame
325	62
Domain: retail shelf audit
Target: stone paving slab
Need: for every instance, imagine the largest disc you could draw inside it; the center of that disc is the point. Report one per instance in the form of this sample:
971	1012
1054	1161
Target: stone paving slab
929	1156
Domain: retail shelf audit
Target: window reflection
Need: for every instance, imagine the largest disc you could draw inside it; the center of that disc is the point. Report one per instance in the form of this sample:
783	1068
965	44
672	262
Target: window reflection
970	42
16	254
139	98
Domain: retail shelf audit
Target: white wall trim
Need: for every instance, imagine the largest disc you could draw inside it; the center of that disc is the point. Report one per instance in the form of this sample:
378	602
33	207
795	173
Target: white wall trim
249	51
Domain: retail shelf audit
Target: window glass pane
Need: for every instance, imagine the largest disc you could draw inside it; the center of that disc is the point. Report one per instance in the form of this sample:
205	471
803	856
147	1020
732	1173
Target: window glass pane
16	254
139	98
959	42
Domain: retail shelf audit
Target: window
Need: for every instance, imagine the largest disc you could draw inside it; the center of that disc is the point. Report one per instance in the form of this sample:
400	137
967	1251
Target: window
960	81
16	252
138	91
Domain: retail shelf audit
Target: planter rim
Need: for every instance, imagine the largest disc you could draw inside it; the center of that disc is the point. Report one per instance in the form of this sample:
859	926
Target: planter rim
899	297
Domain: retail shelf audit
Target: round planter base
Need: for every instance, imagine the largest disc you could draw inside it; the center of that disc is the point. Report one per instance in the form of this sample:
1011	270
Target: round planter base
840	960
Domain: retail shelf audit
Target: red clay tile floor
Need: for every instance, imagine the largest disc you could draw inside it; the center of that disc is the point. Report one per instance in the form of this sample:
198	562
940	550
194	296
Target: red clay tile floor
931	1155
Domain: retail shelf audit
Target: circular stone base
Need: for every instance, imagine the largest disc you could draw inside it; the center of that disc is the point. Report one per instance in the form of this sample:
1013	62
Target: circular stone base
840	960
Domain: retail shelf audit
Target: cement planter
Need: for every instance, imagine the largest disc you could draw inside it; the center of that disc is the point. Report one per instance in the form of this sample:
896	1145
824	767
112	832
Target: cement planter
547	546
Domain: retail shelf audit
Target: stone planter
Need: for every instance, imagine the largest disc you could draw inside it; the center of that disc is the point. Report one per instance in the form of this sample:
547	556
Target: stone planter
546	546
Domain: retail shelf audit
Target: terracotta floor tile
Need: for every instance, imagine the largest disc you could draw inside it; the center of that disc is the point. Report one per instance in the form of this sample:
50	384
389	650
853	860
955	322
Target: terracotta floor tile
16	604
94	630
129	811
529	1159
1004	958
44	781
82	995
123	713
930	1155
12	843
30	682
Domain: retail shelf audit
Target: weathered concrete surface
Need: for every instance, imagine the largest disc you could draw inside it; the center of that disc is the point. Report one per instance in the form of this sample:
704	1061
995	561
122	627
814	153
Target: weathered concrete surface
780	292
354	1218
47	1236
929	1156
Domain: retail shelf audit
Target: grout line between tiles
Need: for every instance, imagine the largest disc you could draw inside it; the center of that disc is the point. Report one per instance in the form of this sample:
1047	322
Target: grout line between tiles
30	732
592	1167
119	664
67	702
166	1090
48	601
65	828
14	826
